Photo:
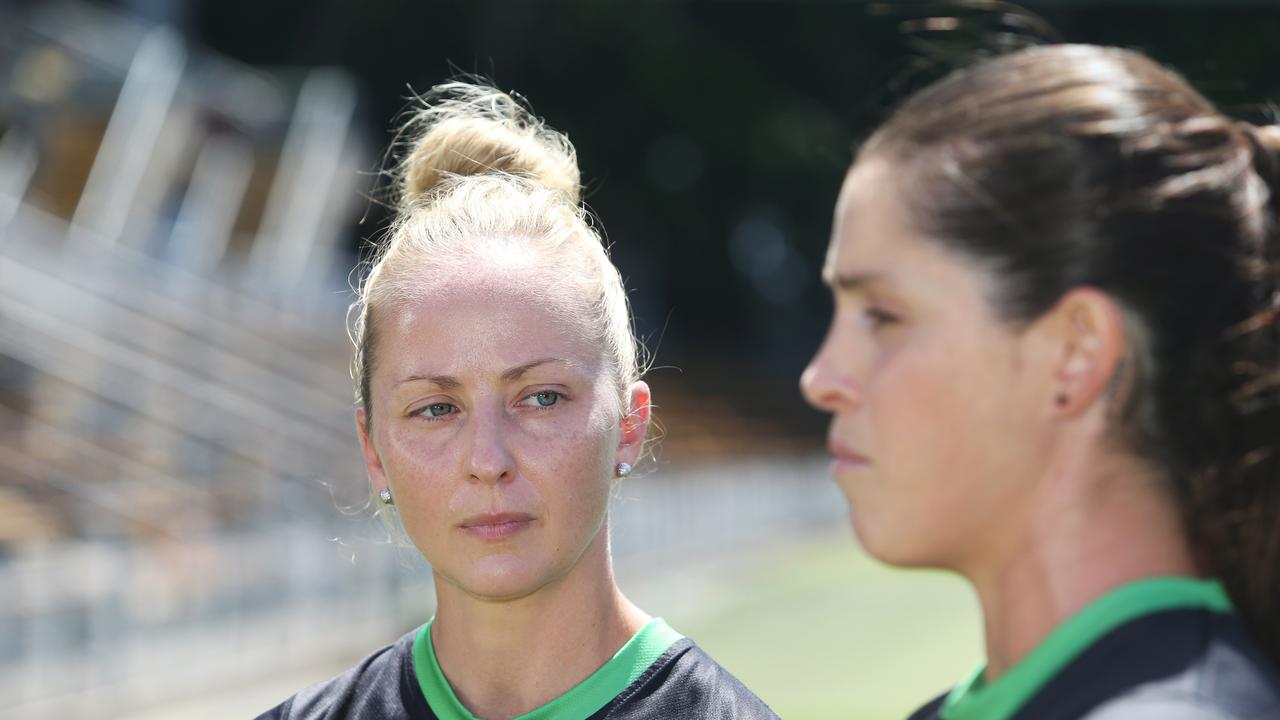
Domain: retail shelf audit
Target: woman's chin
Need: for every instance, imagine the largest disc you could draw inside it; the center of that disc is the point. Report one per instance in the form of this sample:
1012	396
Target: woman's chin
499	579
886	545
869	541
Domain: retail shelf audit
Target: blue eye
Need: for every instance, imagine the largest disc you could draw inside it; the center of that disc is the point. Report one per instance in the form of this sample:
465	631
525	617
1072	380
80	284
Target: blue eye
546	398
542	398
439	409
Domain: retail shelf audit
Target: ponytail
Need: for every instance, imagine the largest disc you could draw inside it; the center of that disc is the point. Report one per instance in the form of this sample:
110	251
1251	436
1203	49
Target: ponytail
1235	507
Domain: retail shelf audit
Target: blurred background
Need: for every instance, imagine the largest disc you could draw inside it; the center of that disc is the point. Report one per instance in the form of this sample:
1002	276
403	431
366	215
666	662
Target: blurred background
185	189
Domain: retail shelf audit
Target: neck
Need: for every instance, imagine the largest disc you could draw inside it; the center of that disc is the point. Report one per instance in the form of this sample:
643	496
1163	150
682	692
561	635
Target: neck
1086	534
505	658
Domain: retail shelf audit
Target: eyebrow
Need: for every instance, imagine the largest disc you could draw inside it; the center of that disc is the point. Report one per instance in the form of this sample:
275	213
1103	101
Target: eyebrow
515	372
848	282
449	382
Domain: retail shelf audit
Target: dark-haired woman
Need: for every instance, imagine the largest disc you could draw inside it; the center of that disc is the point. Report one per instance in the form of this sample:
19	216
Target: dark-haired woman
1054	368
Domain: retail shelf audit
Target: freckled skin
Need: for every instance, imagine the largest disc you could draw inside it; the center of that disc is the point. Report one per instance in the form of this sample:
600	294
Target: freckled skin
937	399
494	448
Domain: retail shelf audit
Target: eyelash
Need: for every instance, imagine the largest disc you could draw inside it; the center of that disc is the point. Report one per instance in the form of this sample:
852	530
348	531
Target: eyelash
558	397
424	412
879	317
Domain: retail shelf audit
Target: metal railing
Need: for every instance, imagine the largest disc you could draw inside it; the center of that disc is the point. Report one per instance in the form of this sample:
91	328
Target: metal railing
100	630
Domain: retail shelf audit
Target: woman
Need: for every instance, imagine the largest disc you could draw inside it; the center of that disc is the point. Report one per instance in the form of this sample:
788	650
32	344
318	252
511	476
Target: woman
499	400
1054	368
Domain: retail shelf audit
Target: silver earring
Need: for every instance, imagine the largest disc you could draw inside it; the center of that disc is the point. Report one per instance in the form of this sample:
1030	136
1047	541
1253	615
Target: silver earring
385	496
622	470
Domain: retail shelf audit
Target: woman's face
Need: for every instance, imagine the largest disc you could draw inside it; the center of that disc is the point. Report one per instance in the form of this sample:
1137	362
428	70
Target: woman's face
936	430
497	427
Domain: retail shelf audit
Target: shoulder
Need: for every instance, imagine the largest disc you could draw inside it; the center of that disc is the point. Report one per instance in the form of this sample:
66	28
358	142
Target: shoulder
1170	708
1174	665
1229	680
686	682
1184	664
380	687
931	710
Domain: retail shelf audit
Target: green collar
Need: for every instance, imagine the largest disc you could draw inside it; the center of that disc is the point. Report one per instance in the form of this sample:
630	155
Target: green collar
973	699
578	703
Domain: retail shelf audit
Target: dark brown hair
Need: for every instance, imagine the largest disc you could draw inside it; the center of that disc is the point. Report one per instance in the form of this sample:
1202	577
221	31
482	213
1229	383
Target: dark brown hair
1071	165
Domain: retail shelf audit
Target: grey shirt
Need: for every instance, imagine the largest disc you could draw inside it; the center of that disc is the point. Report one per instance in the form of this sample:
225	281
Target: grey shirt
1223	684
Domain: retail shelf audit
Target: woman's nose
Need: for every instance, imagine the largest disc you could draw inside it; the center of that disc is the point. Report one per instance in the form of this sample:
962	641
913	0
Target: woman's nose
490	458
828	383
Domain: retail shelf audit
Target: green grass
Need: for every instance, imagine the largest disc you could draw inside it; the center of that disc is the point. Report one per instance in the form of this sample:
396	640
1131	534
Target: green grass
820	630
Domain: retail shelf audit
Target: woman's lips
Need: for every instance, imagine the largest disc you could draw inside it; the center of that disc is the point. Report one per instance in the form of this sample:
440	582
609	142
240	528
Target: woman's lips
496	526
846	459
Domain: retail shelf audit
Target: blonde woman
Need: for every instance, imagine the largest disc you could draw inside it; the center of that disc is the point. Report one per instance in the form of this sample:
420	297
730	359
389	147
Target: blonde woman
499	401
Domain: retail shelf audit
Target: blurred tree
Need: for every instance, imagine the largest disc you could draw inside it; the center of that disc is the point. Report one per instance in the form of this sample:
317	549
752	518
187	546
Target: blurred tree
712	135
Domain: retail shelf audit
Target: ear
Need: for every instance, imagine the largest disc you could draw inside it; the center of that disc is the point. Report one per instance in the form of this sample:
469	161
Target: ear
1088	329
635	423
377	478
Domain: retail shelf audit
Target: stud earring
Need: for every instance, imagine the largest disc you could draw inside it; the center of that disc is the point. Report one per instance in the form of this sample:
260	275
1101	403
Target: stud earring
622	470
385	496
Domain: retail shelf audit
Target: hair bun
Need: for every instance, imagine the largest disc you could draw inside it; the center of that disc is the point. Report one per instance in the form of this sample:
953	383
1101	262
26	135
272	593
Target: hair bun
465	129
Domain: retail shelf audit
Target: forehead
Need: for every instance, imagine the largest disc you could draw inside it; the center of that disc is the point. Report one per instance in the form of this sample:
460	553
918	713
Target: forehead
871	232
876	242
485	319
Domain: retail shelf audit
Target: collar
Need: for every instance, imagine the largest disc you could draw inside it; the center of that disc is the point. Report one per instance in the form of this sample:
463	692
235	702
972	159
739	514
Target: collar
578	703
974	699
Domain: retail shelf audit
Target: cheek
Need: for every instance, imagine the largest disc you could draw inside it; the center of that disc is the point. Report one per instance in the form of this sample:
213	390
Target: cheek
571	469
940	418
574	444
423	471
952	399
961	438
414	453
920	414
565	461
429	469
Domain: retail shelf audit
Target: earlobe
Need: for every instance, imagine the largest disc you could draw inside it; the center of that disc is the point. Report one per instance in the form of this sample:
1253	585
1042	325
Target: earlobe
1092	340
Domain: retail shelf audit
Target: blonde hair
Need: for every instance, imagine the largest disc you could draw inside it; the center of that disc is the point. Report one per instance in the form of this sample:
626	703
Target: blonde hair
482	179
